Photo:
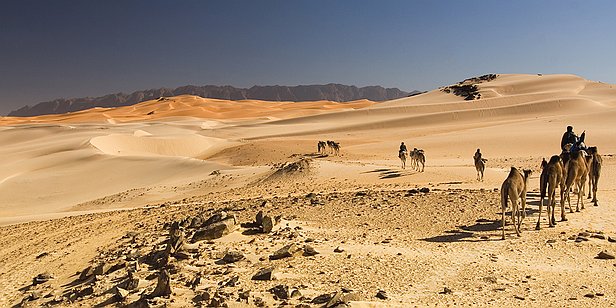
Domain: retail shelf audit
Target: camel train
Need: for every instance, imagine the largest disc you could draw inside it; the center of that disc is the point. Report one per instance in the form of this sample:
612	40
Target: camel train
417	157
570	170
334	147
564	172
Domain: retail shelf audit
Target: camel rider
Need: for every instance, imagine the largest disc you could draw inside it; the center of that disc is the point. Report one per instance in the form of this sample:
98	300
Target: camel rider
402	149
569	137
477	155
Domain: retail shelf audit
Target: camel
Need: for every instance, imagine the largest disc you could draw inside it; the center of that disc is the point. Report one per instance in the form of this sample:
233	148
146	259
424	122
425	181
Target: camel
418	158
402	156
321	147
514	188
480	166
576	172
334	146
594	172
551	177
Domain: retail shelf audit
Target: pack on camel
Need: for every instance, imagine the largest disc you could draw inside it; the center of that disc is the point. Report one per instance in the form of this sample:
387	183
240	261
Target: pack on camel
576	173
418	159
550	179
321	147
594	173
514	189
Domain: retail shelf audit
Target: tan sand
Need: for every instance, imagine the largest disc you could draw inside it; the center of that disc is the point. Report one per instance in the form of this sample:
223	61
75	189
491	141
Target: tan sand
200	154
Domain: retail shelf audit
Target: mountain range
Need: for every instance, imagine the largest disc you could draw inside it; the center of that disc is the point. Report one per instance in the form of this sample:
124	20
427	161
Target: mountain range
331	92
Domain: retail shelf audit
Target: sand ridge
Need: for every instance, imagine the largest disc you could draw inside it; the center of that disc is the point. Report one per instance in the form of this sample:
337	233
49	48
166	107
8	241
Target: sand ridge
194	155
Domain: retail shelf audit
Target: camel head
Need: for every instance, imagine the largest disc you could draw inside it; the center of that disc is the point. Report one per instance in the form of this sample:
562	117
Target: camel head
527	173
544	163
592	150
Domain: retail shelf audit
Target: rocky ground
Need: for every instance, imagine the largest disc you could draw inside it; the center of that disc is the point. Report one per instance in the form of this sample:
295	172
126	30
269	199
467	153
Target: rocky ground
386	245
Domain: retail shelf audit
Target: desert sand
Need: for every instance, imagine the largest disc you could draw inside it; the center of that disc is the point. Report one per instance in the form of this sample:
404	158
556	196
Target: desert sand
103	186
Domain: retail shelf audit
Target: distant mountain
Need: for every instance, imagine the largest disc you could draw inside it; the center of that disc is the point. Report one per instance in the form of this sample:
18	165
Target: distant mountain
331	92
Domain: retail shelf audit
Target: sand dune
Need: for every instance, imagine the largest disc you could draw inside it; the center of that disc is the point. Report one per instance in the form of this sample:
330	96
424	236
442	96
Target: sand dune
199	154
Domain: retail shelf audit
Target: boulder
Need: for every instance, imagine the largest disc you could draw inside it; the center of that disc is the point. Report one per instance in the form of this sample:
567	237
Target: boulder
232	256
309	251
163	286
605	255
285	252
267	273
120	294
215	230
42	278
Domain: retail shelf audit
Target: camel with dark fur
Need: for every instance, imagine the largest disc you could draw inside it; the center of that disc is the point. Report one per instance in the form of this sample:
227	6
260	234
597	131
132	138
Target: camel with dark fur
418	159
513	189
551	178
480	166
576	172
594	172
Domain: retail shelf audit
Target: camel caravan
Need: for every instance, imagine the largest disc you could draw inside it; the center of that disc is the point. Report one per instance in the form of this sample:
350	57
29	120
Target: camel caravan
566	172
417	157
569	171
334	147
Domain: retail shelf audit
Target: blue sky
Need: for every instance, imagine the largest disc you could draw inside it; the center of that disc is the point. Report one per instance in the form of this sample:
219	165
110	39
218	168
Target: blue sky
53	49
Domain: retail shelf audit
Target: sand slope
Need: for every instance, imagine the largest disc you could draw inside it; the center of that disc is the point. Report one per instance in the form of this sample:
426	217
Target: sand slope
199	154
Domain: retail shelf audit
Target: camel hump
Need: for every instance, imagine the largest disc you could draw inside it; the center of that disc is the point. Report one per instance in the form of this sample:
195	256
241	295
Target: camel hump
554	159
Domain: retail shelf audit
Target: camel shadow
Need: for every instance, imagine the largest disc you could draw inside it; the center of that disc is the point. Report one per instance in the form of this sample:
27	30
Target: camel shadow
467	233
388	173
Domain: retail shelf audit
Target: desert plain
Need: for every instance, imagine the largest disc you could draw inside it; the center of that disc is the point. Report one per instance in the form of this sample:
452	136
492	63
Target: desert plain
92	202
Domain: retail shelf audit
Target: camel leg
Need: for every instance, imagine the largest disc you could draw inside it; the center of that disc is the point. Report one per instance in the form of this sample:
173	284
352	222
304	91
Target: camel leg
515	213
562	204
595	180
503	221
569	199
523	206
579	196
537	227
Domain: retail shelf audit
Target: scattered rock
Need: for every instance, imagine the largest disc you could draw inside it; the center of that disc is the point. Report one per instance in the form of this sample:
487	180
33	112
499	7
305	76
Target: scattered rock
163	286
42	255
285	252
215	230
267	224
233	256
86	273
84	292
338	249
598	236
120	293
265	274
589	295
611	239
551	241
381	294
309	251
102	268
281	291
519	297
311	195
490	279
322	299
335	300
446	290
42	278
424	190
605	255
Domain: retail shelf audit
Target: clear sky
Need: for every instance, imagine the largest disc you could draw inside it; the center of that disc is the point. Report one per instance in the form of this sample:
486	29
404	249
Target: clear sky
53	49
